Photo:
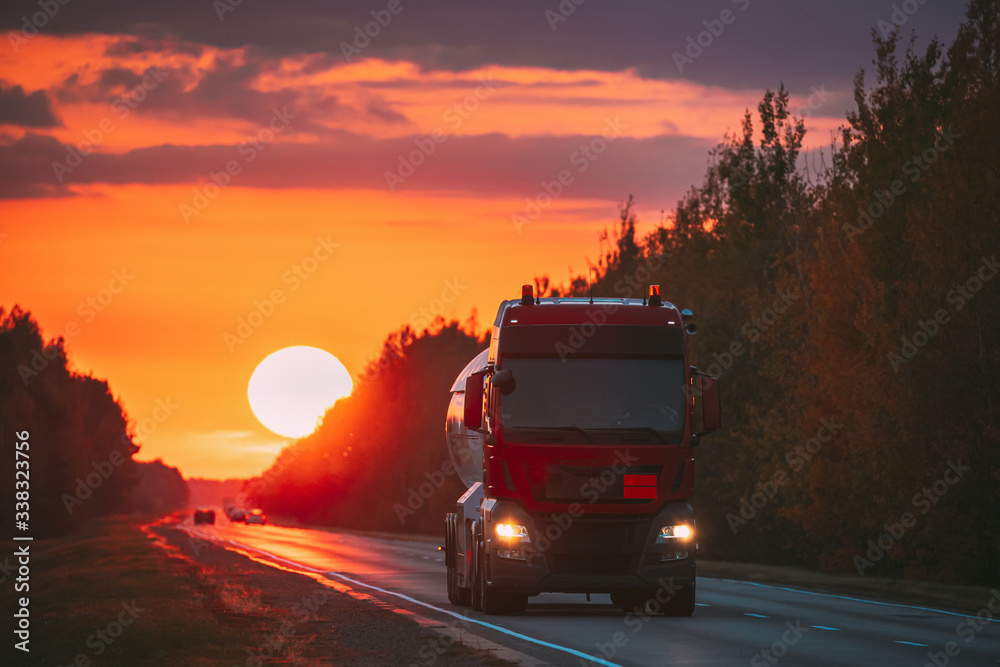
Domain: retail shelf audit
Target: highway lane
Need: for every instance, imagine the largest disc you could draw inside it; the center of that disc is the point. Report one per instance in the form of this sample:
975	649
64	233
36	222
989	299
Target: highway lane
735	622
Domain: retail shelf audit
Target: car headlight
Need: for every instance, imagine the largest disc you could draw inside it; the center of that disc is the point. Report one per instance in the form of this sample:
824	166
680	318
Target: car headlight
677	532
512	532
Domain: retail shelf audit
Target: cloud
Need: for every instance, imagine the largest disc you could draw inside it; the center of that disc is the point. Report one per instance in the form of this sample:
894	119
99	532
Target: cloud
229	87
766	41
490	165
26	110
26	168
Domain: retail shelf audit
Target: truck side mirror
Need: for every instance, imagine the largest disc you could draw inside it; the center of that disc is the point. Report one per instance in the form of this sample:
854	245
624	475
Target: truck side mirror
473	416
711	410
504	381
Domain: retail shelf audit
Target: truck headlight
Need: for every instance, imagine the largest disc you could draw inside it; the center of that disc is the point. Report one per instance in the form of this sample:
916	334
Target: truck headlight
677	532
512	532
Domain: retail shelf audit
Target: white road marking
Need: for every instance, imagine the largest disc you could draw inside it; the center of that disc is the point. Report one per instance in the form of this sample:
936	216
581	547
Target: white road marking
469	619
824	627
846	597
746	613
910	643
701	604
540	642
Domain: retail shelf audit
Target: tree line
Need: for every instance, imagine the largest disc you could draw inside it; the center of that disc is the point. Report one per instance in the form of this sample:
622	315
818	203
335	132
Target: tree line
850	314
78	464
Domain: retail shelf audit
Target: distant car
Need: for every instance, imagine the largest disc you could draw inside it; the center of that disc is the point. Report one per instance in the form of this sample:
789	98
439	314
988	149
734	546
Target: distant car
236	514
204	515
255	516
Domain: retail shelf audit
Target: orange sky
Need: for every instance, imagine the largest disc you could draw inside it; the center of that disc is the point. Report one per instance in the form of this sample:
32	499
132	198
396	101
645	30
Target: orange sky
188	281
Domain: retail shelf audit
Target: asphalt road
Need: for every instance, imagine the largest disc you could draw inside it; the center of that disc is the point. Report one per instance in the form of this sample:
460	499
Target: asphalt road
735	623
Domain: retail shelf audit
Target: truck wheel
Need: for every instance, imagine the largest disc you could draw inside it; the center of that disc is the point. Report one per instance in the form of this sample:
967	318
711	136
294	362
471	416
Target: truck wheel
463	596
492	600
457	595
630	600
516	602
448	546
681	604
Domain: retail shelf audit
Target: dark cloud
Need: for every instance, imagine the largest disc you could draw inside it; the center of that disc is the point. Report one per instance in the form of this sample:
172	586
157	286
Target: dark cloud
800	43
484	165
26	110
26	167
224	91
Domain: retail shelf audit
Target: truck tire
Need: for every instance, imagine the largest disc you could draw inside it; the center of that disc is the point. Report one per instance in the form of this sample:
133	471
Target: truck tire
457	595
492	600
630	600
681	604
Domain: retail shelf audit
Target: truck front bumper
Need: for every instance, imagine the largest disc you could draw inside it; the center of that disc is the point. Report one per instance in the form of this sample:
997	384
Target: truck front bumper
590	554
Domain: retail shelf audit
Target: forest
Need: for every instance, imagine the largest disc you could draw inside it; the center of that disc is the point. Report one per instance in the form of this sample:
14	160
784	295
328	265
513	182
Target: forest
850	313
80	443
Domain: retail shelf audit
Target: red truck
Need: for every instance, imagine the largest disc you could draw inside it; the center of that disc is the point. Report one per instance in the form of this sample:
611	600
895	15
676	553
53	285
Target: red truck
574	433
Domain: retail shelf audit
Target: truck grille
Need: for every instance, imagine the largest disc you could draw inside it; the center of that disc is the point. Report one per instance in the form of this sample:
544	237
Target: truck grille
575	484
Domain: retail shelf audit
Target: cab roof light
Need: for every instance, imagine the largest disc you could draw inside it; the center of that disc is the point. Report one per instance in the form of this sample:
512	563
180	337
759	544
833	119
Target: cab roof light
527	295
654	295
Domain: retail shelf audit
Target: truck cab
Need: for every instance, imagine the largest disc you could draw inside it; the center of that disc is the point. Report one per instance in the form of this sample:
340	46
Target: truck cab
581	418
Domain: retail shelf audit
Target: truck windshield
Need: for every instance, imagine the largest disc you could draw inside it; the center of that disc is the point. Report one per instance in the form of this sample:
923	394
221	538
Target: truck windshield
597	396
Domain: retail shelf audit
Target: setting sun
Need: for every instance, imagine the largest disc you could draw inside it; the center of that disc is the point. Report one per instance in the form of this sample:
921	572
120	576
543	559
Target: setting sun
292	389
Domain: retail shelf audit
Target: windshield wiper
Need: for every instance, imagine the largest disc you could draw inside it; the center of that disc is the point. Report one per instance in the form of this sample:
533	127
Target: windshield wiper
576	429
635	429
